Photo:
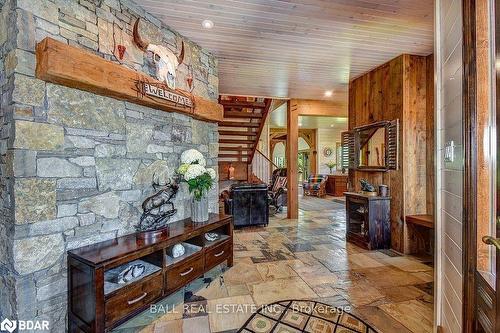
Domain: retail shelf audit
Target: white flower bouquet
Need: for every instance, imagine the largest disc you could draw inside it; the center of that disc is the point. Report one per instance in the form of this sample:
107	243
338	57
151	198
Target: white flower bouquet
194	172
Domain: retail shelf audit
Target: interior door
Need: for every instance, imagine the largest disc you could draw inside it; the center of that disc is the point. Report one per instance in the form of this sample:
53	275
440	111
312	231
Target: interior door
487	281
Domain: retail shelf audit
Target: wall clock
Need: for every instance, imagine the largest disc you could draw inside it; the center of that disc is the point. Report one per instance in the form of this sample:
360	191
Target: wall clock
327	151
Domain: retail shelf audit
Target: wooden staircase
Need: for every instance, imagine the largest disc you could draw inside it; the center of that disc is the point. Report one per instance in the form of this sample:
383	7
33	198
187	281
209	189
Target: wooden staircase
239	132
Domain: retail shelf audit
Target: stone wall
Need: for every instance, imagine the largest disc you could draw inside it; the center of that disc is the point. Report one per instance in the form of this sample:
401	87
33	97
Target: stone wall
7	45
79	164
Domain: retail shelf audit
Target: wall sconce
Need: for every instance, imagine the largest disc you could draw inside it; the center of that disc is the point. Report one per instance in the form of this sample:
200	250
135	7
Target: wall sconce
230	171
121	51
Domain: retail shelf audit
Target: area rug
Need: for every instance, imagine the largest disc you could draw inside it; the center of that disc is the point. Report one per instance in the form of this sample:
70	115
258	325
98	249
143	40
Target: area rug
294	316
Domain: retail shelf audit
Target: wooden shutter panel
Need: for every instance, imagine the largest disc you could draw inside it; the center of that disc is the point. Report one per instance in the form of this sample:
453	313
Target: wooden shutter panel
392	160
348	150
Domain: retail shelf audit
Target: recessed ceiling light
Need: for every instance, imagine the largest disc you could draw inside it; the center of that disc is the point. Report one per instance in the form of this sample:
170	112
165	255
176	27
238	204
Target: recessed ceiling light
328	93
207	24
331	125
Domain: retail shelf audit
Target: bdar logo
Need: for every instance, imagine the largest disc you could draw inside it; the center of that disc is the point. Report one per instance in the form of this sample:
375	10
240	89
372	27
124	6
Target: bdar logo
8	325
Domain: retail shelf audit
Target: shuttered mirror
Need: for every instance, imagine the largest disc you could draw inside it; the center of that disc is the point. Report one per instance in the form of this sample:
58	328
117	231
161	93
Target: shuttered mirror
372	147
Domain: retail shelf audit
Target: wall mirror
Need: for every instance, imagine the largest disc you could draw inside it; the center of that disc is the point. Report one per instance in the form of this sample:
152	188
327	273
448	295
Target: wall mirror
372	147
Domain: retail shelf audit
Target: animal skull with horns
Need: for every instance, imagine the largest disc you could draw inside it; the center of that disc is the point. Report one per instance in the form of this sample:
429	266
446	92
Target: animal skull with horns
166	61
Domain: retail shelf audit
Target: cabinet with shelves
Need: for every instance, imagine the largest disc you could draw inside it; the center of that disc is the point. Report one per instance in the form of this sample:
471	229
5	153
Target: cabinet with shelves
368	221
99	300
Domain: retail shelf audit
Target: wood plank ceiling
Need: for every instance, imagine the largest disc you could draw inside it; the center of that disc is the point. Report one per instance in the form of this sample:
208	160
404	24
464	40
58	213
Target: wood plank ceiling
299	48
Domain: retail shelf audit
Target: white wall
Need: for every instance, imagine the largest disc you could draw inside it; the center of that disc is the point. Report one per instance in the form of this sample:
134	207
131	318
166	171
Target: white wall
327	138
449	175
263	144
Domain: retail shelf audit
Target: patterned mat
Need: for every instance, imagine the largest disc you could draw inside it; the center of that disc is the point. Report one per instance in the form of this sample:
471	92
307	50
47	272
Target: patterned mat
303	316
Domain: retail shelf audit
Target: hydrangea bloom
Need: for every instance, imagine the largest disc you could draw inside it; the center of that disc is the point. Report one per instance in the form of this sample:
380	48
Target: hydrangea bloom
199	179
193	156
182	169
212	173
193	171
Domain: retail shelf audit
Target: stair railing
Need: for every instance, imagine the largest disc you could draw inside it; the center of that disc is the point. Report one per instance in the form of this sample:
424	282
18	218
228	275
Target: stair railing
262	167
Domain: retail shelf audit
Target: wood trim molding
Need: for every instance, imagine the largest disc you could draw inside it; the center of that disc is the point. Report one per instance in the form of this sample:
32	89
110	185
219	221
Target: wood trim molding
76	68
292	145
470	164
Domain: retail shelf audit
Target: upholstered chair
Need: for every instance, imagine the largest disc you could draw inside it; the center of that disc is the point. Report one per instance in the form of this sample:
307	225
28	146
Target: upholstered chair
315	185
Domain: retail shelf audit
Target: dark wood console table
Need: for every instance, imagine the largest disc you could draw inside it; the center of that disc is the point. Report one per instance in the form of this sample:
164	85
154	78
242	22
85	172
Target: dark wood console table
368	222
336	185
97	303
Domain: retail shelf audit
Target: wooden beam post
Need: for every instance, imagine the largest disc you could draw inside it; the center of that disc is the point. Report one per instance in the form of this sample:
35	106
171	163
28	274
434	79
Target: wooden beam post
292	150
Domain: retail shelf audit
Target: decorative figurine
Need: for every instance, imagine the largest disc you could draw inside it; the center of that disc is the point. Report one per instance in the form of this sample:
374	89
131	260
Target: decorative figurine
158	208
211	236
178	250
366	186
131	272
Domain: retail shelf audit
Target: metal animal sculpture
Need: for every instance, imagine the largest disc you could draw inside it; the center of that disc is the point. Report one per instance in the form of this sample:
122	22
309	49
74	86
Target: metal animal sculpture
366	186
158	208
165	60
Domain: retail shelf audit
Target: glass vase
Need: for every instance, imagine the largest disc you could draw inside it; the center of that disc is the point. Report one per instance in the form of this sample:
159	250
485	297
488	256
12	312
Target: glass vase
199	209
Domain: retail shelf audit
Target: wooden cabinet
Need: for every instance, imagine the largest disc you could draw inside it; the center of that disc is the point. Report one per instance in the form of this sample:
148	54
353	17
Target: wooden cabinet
368	221
144	292
98	302
183	273
336	185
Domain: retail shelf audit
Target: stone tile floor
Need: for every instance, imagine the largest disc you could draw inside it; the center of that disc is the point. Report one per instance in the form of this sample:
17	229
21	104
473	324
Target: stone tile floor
306	258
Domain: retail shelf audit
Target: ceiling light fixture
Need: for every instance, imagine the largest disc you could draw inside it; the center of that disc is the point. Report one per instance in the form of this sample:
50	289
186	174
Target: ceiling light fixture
207	24
328	93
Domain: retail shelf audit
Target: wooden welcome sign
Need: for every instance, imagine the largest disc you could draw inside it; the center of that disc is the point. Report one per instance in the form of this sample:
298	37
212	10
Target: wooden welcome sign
75	68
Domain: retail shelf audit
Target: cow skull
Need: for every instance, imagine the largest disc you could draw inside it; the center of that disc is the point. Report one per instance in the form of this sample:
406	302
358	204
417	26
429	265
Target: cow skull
165	60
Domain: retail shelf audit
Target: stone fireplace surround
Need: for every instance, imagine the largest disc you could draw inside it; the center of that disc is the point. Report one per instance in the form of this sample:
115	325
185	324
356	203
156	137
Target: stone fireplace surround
75	167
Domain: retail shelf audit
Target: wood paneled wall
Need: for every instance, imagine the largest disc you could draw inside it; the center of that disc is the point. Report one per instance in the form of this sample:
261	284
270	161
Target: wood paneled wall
399	90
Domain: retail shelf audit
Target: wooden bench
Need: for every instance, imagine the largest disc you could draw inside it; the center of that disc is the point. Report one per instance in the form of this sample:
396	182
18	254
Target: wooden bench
420	234
422	220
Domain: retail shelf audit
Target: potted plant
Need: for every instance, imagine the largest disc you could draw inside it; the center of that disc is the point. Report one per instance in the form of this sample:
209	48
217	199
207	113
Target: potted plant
200	180
330	166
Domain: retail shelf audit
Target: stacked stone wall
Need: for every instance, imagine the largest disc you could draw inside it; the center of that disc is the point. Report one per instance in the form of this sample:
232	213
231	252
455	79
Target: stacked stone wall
76	166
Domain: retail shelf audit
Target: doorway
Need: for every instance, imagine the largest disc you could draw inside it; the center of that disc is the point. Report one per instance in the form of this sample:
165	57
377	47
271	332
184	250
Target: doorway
481	300
304	165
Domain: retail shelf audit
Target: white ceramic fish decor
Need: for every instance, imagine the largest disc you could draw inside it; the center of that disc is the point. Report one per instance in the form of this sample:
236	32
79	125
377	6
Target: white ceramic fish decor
178	250
211	236
131	272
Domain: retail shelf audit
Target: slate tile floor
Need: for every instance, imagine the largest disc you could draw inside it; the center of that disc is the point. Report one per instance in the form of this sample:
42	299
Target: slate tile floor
306	258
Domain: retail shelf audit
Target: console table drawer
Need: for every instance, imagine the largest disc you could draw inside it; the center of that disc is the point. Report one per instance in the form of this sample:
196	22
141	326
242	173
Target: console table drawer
216	255
134	297
184	273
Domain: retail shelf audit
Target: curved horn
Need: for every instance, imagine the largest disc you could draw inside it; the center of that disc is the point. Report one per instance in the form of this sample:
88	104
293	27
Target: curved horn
137	38
180	57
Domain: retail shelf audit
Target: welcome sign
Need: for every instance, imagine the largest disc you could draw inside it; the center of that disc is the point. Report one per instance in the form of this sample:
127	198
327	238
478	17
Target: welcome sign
153	90
73	67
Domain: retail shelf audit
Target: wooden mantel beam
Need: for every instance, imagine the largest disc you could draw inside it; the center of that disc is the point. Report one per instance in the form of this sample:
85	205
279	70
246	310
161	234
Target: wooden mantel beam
76	68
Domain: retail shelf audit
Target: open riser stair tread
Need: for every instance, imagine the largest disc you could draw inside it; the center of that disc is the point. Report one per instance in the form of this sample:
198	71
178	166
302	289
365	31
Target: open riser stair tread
238	124
241	114
239	132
